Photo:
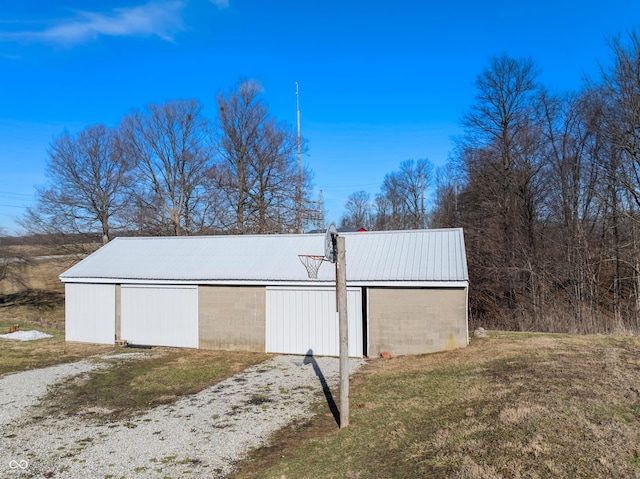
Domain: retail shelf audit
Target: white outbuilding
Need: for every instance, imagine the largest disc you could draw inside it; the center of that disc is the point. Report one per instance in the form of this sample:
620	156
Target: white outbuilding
407	293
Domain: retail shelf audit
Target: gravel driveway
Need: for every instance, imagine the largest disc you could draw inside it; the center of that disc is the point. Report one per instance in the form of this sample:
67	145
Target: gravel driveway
198	436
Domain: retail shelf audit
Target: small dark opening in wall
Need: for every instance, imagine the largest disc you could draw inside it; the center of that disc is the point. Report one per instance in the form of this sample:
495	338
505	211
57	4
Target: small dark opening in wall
138	346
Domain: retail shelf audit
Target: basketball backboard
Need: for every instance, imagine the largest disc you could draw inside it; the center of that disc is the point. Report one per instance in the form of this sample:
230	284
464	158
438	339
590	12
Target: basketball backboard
330	243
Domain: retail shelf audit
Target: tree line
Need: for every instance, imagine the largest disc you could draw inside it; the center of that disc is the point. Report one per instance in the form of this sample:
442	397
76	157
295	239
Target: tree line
546	185
167	169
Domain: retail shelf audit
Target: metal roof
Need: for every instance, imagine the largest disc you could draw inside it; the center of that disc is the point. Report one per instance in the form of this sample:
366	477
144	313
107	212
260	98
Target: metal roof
413	256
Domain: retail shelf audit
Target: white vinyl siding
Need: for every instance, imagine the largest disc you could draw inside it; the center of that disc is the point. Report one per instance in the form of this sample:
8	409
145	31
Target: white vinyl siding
159	315
90	311
304	321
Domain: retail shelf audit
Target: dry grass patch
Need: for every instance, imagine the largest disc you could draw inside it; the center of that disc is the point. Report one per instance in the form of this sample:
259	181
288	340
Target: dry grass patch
511	406
16	356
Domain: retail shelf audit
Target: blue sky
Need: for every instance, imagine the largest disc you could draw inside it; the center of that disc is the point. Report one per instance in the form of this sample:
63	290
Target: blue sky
379	81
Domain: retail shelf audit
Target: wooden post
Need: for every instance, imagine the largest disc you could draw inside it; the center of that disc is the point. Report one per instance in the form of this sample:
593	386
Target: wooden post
343	327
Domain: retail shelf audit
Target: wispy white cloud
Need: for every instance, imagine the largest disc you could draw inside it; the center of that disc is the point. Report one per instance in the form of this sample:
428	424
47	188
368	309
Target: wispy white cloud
162	19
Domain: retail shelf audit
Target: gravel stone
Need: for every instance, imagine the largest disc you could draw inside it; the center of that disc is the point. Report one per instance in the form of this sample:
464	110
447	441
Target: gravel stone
23	390
200	436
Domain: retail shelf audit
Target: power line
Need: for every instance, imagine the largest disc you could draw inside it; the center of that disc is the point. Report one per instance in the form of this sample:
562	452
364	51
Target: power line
13	206
350	187
7	195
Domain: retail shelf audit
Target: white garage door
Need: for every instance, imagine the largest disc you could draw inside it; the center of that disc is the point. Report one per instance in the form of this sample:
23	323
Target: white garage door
90	312
304	321
159	315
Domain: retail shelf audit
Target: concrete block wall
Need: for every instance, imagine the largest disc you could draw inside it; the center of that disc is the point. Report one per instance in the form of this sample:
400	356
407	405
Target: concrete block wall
416	321
232	317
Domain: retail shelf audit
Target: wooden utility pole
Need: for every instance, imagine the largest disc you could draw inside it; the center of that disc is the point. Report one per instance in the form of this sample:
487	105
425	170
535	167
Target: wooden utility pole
343	328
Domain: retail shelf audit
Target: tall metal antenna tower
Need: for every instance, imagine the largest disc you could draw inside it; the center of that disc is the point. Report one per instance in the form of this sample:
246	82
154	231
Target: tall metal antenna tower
320	210
299	187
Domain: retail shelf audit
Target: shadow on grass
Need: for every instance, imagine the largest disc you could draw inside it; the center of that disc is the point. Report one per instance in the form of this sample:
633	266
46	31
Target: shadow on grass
34	298
310	359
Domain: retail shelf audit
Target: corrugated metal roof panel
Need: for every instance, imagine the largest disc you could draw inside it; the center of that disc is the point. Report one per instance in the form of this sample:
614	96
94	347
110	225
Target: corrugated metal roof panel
416	255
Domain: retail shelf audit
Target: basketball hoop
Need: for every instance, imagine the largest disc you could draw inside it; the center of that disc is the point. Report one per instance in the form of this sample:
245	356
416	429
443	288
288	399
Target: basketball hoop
312	262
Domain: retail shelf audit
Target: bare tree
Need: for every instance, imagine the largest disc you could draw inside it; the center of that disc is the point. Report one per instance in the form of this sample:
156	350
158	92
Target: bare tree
169	144
403	195
14	262
500	153
258	171
445	213
5	256
620	96
573	145
358	212
621	90
383	213
86	191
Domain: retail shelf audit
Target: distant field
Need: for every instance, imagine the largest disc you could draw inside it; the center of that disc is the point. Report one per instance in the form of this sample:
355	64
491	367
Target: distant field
39	295
39	274
37	267
515	405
